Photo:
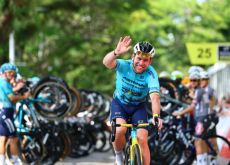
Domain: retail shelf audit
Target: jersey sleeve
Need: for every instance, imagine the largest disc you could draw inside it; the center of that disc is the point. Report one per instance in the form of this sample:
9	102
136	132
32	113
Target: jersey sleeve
120	65
153	82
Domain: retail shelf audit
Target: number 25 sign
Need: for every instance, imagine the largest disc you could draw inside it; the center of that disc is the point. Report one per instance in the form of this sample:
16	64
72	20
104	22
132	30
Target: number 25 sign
202	53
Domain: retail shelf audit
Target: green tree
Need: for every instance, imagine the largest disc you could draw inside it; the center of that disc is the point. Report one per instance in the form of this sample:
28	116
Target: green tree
70	38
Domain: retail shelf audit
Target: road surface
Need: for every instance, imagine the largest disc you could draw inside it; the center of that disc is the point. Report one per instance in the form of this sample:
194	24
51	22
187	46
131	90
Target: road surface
95	158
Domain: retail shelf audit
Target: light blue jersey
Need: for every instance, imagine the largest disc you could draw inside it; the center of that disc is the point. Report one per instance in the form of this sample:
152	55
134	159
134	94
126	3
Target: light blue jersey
5	90
132	87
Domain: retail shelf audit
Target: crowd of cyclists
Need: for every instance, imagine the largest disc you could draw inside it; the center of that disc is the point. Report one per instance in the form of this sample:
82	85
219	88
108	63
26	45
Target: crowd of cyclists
136	81
203	101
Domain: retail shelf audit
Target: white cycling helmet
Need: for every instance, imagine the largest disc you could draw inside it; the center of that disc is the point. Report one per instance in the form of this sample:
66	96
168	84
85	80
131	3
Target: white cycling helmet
194	75
164	74
204	75
195	69
144	48
176	74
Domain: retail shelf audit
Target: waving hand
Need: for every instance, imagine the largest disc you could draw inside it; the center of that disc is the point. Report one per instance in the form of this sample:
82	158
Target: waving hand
123	45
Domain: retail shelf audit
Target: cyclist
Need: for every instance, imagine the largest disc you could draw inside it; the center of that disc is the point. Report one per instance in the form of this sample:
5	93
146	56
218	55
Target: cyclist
200	106
209	94
7	107
135	79
177	76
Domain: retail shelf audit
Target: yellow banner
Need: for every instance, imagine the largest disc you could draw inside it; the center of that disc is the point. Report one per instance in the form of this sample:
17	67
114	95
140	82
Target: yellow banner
208	53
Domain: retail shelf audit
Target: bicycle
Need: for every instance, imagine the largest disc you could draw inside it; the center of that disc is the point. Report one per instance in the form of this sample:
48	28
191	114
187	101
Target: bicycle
180	148
133	153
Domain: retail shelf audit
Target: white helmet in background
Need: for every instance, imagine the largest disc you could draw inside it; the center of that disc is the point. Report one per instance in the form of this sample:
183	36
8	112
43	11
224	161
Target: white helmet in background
204	75
176	74
164	74
194	75
195	69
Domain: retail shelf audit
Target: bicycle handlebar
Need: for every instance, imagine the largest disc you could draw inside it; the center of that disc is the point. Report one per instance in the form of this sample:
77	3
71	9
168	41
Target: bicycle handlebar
114	125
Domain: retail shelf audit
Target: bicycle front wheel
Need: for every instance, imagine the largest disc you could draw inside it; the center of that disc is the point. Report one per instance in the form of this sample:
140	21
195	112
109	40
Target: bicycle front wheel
136	155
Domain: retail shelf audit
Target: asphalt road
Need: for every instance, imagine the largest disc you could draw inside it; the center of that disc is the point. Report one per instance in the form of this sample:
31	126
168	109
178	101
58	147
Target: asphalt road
95	158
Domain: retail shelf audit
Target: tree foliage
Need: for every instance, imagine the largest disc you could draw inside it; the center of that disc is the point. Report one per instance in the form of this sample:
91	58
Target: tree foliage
69	38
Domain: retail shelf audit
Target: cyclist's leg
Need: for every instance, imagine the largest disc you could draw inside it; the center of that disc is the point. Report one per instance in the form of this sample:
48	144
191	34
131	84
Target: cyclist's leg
3	140
118	112
6	130
120	140
140	116
142	135
200	145
14	149
212	158
12	138
201	152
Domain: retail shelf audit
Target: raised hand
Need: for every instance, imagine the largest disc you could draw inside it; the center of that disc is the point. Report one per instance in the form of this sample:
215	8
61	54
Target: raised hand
123	45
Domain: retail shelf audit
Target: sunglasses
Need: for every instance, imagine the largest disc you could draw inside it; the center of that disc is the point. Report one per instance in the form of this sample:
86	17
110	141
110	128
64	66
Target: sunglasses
205	79
142	54
193	80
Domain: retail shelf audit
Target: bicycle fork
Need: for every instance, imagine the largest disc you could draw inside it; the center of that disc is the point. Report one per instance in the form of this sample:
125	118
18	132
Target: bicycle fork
133	143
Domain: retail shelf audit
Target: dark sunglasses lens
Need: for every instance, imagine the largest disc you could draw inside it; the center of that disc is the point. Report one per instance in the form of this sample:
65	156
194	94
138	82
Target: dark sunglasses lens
193	80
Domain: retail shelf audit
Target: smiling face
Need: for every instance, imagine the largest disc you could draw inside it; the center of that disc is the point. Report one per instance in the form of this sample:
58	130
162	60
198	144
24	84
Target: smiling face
140	63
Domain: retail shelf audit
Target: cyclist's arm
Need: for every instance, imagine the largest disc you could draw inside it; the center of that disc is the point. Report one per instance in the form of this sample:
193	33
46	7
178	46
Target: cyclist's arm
16	98
110	60
122	47
189	109
155	100
212	102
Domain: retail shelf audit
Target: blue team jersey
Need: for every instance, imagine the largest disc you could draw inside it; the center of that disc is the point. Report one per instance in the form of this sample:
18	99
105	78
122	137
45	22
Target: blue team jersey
5	90
132	87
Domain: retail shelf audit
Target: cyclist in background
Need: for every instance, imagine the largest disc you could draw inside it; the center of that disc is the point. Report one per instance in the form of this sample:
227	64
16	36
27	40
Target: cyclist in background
177	76
192	85
7	107
164	74
209	96
200	106
135	80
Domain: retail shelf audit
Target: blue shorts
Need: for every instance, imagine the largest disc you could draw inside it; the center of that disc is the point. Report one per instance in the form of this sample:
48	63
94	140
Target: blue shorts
7	127
133	114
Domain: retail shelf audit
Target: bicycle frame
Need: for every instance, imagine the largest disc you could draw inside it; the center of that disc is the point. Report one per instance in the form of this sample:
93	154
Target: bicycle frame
30	111
132	137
